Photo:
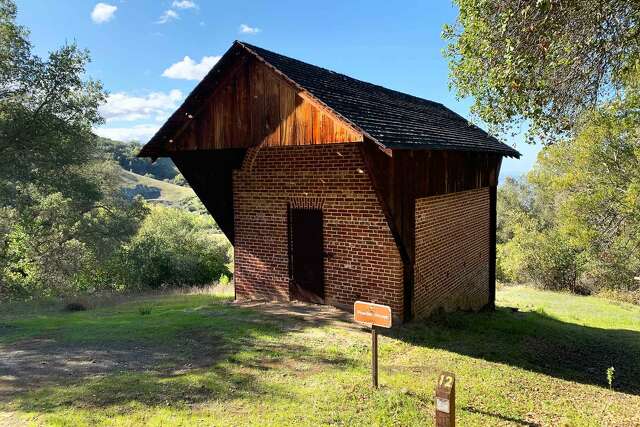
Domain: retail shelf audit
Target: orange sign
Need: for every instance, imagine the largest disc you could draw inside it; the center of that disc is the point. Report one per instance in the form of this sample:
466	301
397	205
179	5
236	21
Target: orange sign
372	314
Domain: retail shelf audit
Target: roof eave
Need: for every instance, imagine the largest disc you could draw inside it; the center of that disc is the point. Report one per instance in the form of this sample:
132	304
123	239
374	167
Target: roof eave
508	152
154	147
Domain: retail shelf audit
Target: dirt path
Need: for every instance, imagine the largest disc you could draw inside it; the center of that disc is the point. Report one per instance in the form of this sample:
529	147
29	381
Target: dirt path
308	314
36	363
10	419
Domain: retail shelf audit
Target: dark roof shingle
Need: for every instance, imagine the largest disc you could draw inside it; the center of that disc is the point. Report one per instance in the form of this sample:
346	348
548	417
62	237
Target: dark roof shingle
394	119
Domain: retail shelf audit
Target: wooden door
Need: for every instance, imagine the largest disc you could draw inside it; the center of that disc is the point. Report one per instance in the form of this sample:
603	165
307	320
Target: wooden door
306	255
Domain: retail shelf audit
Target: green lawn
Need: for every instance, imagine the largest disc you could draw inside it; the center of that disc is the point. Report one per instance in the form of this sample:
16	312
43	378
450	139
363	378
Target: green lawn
200	360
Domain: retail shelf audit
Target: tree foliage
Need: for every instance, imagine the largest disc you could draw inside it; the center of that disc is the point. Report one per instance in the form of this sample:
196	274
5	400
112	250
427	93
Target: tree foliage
570	72
574	222
545	62
60	207
47	111
66	226
173	247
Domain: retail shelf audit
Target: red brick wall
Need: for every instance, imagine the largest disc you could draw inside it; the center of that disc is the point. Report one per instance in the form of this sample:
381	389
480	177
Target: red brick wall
452	252
366	263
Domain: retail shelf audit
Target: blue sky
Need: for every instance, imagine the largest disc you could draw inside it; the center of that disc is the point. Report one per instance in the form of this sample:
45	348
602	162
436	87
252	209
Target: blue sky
150	54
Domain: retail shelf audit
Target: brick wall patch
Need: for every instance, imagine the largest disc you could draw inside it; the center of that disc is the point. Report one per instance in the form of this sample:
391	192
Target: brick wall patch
452	252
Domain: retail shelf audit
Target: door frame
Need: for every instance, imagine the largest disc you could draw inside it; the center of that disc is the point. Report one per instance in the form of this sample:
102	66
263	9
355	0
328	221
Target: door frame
290	209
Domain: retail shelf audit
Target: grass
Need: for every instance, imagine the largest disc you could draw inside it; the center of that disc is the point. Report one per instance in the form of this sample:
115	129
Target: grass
200	360
170	194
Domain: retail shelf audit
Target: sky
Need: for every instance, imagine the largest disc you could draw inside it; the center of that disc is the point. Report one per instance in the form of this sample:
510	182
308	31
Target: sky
149	54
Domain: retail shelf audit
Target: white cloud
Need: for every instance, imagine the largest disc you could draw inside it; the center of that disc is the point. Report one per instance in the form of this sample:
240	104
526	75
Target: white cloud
140	133
168	15
246	29
124	107
184	4
188	69
103	12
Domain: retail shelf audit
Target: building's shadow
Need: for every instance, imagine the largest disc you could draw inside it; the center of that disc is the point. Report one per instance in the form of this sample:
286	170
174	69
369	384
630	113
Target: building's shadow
536	342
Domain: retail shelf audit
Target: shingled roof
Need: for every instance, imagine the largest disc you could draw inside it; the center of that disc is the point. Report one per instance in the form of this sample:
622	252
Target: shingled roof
393	119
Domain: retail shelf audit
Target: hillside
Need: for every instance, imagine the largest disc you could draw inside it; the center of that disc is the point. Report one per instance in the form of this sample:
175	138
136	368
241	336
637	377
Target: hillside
170	194
162	192
157	182
124	153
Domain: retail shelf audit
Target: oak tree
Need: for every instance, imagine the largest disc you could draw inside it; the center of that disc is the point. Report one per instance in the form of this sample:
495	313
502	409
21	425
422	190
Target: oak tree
544	62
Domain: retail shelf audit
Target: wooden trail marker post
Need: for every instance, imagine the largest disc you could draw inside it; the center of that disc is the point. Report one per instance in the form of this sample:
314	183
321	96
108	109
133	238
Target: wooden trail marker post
373	315
446	400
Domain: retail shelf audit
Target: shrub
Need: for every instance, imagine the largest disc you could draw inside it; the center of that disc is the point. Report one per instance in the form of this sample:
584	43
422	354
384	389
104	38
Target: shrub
56	246
172	247
224	280
546	258
631	297
75	306
179	180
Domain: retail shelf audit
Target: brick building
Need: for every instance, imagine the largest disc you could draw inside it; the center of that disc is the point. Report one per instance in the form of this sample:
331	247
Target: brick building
332	189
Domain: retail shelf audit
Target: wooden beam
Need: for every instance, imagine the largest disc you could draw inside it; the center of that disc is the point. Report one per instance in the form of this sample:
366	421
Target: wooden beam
493	192
382	179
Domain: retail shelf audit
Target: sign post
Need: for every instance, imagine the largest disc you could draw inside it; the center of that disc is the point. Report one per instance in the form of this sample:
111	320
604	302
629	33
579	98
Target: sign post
372	315
374	356
446	400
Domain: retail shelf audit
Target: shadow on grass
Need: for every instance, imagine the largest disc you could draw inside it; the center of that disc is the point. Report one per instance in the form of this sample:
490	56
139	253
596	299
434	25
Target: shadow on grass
536	342
184	354
146	388
510	420
234	378
219	352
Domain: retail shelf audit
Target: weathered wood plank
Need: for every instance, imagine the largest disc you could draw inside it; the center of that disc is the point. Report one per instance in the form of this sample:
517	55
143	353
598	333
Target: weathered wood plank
272	107
254	105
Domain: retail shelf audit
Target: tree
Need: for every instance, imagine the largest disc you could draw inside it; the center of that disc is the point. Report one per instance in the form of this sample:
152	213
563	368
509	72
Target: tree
516	201
545	62
593	183
61	209
65	224
46	111
574	222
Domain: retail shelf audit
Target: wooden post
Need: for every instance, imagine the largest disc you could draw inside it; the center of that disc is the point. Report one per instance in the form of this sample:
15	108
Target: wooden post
374	316
446	400
374	356
493	197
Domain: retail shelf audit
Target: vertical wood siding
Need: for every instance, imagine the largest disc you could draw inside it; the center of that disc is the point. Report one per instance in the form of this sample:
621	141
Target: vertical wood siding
254	105
410	175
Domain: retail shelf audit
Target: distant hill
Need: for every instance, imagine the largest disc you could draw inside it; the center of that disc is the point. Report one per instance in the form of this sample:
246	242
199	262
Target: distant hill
156	191
158	182
168	193
125	154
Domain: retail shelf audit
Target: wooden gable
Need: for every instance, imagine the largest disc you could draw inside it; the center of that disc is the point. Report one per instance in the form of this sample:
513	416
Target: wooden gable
252	105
